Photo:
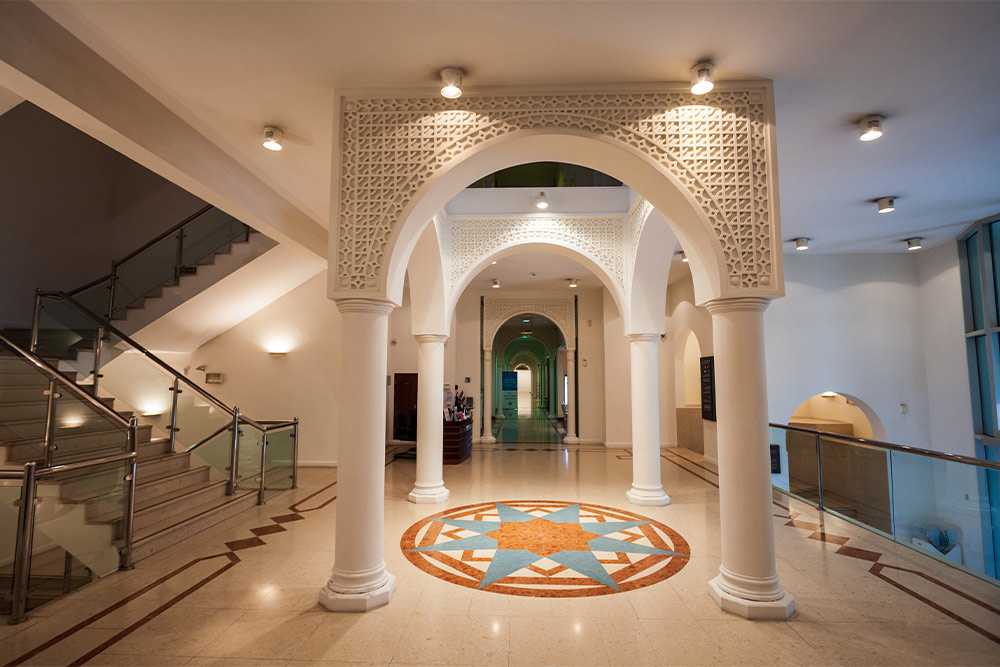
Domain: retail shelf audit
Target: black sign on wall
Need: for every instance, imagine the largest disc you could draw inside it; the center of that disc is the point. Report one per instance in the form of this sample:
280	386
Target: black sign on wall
708	388
775	460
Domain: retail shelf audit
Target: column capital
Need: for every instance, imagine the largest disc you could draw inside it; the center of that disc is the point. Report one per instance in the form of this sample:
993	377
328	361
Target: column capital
430	338
644	337
570	352
363	305
737	304
487	351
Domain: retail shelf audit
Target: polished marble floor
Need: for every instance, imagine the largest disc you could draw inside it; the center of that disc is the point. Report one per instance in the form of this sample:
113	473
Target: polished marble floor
244	592
525	427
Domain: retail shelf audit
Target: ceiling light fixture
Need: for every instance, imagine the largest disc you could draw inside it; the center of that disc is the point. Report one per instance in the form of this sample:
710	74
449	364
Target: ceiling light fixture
272	138
493	262
702	78
886	204
540	202
451	82
684	257
802	243
870	128
572	282
496	284
916	243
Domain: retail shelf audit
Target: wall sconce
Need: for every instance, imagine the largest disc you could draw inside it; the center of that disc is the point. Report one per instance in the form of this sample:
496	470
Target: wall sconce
276	355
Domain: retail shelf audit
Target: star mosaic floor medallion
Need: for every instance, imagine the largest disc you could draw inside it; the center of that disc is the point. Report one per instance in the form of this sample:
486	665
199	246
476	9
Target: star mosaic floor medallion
545	548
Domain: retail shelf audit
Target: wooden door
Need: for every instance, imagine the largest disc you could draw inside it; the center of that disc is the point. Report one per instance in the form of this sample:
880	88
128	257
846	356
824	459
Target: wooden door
404	406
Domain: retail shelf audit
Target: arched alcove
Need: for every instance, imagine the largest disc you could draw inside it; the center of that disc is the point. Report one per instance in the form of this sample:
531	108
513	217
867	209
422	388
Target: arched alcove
836	412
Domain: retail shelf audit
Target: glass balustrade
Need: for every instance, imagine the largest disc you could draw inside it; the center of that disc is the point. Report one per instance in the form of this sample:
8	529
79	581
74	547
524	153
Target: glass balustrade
11	483
943	505
279	458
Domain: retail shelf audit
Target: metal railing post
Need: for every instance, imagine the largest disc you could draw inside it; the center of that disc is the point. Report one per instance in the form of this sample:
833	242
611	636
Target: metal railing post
22	548
33	345
128	520
180	256
98	347
50	421
819	467
175	390
234	455
263	466
295	454
111	291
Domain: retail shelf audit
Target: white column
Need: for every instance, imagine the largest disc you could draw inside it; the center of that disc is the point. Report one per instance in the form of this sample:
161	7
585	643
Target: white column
488	438
570	438
747	583
359	580
646	487
429	486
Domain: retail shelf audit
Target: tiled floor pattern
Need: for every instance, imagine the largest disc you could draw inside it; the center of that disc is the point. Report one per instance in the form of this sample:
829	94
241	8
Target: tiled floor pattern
244	592
518	427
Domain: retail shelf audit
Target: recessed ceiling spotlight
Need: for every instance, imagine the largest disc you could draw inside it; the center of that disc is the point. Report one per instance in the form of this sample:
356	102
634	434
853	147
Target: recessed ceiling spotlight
702	78
916	243
572	282
272	138
451	82
870	128
493	262
886	204
802	243
541	202
684	257
496	284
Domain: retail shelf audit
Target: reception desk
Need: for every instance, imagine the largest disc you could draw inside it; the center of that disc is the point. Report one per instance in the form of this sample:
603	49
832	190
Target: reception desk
457	441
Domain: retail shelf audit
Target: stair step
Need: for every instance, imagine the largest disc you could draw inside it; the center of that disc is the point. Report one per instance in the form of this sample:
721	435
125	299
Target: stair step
153	448
154	467
161	535
179	505
153	487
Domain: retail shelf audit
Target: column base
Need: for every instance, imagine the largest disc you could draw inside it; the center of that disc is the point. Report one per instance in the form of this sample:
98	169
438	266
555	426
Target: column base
355	602
571	440
488	440
754	610
427	496
655	497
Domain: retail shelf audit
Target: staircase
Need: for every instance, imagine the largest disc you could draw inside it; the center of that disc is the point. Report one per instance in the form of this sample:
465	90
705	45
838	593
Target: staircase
85	388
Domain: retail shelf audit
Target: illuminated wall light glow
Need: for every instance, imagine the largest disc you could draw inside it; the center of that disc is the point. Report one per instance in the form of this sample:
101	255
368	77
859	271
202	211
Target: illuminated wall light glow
870	128
278	345
702	78
802	244
886	204
272	138
72	421
916	243
451	82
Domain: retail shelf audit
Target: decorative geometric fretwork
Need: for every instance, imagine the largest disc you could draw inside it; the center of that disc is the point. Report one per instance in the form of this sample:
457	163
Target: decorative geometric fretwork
636	221
497	310
715	145
472	239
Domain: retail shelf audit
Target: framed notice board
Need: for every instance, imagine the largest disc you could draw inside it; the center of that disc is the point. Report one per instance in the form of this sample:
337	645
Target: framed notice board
708	388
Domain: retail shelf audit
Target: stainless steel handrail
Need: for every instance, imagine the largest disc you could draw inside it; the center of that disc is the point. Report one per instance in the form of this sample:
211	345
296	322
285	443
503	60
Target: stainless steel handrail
44	367
200	212
80	465
98	320
878	444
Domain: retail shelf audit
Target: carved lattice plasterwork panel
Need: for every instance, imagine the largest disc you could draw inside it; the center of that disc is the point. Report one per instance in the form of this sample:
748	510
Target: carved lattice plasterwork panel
497	310
472	239
715	145
635	222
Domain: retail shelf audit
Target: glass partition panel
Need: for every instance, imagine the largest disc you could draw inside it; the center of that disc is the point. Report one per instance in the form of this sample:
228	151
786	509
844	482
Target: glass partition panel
23	408
975	282
10	493
153	267
197	417
66	334
803	465
279	460
215	451
943	508
209	233
251	442
95	298
856	482
80	431
79	518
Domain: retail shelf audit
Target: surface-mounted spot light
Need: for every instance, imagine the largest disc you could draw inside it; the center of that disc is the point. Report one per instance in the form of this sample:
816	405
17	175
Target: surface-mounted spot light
496	284
916	243
272	138
886	204
802	244
870	128
702	78
572	282
493	262
451	82
684	257
541	202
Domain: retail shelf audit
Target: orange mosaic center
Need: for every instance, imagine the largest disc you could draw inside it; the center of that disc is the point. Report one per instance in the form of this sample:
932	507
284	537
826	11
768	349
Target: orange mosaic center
542	537
545	548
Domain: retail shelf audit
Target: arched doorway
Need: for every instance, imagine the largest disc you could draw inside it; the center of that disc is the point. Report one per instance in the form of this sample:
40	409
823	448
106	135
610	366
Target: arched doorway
403	158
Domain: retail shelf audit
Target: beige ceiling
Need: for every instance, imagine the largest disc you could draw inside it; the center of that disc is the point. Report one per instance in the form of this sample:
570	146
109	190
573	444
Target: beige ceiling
534	271
228	68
